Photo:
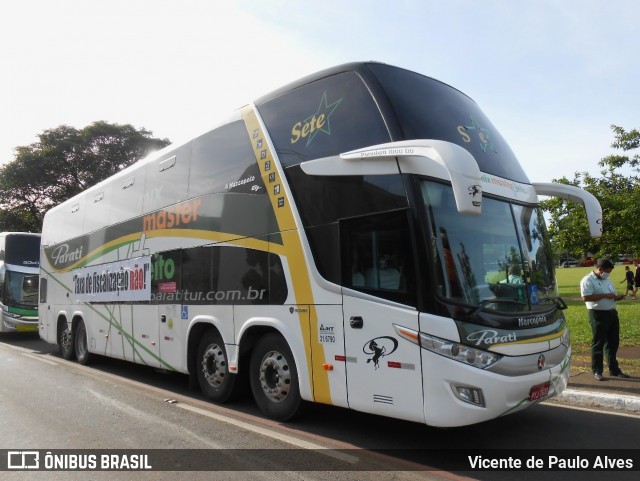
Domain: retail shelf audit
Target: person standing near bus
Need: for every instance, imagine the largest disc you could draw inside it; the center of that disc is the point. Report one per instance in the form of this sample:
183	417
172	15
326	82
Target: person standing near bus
629	278
600	297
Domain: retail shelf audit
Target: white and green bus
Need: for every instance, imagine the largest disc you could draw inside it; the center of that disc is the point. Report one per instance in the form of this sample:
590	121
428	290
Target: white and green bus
19	269
352	239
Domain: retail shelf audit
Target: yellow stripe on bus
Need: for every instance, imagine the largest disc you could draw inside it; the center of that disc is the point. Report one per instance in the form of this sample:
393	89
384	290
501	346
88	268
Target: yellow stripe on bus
214	237
293	251
548	337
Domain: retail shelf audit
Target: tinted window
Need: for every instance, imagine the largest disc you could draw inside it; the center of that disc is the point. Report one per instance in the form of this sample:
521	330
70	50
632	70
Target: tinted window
218	275
327	199
223	161
21	248
97	207
324	241
167	179
428	109
198	274
377	256
332	115
323	201
43	290
242	276
125	201
166	287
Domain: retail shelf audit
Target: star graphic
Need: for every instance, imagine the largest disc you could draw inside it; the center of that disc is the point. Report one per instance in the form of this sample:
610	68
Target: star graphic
327	110
483	135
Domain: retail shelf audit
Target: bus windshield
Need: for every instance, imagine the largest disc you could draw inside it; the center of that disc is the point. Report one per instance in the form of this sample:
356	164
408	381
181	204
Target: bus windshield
21	290
500	260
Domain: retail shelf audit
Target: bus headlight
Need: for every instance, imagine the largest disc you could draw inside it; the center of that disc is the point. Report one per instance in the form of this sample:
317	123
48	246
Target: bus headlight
566	337
458	352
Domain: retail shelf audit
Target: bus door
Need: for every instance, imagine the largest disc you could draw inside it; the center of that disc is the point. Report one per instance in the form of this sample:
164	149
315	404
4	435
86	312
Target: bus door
384	373
166	292
45	313
383	369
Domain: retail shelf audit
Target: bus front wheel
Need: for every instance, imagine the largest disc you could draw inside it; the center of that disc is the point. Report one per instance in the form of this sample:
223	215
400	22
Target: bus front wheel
212	365
65	340
274	378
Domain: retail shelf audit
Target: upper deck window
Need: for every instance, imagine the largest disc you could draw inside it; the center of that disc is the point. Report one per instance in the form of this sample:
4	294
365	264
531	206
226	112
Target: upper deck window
223	161
429	109
22	250
323	118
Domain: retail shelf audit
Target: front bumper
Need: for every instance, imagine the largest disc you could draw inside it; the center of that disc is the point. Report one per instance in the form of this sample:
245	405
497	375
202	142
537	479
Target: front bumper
18	324
501	394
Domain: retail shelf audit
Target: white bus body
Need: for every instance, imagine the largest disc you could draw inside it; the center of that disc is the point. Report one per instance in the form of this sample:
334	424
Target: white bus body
350	239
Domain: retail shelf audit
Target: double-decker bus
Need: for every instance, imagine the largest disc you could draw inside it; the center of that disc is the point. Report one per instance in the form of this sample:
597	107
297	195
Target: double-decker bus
19	269
363	237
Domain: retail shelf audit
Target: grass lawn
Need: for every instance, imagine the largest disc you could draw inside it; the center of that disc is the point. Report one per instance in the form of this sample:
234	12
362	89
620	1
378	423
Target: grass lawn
628	310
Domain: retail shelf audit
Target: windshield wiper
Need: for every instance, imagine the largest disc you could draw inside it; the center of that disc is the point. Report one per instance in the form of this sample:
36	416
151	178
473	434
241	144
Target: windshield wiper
556	300
486	302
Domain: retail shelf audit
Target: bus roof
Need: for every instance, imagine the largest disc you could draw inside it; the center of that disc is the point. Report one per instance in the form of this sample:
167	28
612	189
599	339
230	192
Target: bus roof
361	68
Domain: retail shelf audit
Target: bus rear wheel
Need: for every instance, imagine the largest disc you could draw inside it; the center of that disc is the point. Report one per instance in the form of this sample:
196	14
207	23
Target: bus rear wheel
65	340
274	378
82	347
212	364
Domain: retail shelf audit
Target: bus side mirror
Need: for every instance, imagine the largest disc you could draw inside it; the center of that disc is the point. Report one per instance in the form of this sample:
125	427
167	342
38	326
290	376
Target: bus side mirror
579	196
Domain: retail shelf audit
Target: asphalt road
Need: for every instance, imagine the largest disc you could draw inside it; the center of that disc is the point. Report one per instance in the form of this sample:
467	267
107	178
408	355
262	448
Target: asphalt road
47	403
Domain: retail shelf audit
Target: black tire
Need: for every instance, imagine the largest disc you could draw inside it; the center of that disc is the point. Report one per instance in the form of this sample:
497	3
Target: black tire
65	340
81	343
274	378
212	366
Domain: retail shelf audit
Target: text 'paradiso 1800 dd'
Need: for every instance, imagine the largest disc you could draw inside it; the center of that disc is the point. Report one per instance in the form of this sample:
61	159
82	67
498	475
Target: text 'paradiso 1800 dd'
363	238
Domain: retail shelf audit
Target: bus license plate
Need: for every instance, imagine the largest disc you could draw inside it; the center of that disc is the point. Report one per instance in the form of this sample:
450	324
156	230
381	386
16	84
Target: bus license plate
539	391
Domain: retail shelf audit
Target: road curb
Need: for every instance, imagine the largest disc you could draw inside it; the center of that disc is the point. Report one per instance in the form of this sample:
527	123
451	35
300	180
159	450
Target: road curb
615	401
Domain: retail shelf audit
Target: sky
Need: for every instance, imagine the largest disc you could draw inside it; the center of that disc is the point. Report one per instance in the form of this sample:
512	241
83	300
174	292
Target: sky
552	75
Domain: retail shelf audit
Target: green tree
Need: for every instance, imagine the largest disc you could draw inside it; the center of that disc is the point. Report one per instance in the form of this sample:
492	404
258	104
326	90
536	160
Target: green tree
618	193
568	226
64	162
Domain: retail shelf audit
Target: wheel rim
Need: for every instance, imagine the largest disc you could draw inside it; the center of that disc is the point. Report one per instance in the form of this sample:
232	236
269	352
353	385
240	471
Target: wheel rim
214	365
275	376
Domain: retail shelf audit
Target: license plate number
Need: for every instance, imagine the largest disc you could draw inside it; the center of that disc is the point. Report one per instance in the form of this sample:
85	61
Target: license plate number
539	391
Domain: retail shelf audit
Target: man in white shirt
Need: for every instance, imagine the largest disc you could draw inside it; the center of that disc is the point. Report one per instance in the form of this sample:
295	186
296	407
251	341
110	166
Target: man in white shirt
600	297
